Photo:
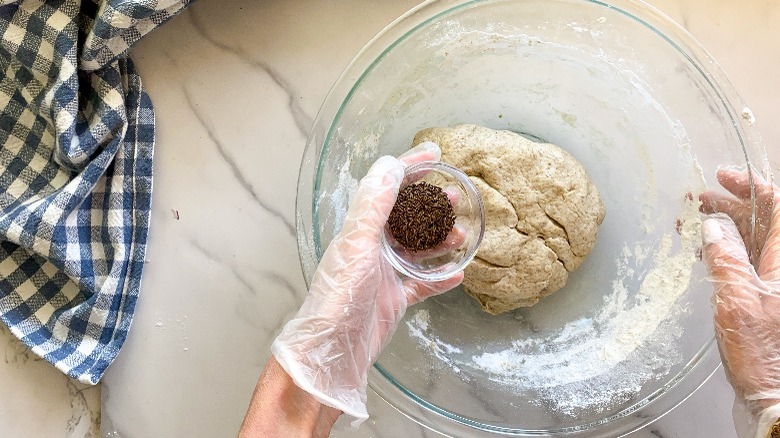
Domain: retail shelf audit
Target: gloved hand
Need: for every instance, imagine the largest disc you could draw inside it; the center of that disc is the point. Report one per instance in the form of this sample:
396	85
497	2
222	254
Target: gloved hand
747	295
356	299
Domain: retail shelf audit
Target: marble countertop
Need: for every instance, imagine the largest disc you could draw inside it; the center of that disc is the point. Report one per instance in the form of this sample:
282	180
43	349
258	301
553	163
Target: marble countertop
236	86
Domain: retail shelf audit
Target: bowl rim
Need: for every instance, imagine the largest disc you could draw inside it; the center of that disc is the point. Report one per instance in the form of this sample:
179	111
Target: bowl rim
625	422
703	364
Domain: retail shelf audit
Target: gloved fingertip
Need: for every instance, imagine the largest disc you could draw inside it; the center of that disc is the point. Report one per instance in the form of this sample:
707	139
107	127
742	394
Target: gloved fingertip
429	146
730	169
417	290
389	166
711	231
425	151
376	196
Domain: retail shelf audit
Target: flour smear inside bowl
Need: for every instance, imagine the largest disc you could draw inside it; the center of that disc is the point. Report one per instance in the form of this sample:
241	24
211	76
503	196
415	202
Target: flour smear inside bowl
597	362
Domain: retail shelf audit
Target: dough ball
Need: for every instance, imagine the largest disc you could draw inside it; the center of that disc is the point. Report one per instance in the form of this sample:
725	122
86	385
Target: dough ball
542	213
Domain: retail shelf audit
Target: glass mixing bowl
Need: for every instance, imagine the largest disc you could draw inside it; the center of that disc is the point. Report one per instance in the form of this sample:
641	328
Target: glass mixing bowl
650	116
460	246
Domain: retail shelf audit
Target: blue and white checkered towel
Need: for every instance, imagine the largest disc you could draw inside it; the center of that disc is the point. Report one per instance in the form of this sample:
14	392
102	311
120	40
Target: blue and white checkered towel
76	142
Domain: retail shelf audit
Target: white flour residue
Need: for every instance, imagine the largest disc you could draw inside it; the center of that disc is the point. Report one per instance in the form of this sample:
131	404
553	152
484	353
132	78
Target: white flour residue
418	325
623	324
342	194
747	114
584	27
597	362
334	203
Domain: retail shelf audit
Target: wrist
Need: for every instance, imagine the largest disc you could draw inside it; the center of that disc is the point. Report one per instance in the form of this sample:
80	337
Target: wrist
315	373
280	408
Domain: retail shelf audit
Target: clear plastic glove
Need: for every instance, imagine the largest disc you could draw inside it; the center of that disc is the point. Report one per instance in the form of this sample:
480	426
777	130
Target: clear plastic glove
356	299
747	295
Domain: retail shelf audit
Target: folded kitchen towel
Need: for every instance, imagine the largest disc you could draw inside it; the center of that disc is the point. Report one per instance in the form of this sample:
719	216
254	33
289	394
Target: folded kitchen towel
76	142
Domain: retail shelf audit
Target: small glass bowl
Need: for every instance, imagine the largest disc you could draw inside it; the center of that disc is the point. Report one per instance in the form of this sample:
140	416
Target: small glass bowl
460	247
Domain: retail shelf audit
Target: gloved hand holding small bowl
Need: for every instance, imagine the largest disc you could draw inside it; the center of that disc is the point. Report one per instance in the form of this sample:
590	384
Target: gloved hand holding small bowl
418	221
356	298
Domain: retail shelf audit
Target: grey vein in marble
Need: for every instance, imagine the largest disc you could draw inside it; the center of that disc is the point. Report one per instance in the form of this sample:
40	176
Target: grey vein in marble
81	419
656	433
80	408
302	120
213	257
271	276
235	169
284	282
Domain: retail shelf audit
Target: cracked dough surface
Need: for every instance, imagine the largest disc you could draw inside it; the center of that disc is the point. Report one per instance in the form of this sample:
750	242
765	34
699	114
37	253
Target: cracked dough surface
542	213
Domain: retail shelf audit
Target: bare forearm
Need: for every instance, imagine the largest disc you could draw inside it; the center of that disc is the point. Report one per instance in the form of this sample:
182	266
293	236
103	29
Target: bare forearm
279	408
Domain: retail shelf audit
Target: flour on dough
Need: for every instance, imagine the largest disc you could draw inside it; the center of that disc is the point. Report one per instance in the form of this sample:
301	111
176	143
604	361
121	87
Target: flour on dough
542	213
